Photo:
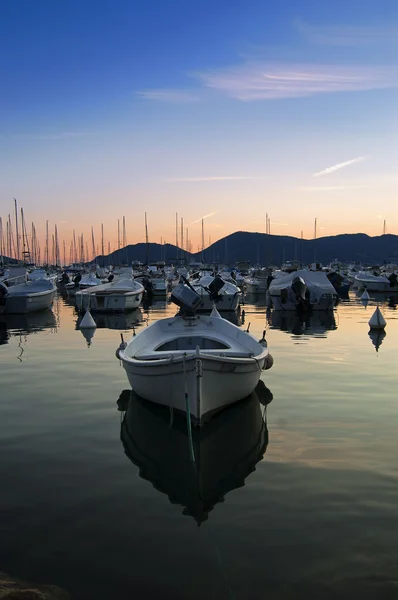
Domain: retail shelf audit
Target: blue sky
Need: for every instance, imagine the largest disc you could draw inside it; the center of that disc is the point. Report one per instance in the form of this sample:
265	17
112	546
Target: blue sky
225	108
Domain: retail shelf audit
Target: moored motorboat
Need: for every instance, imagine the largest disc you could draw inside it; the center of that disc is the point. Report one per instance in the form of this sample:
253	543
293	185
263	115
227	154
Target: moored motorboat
226	294
121	295
27	297
196	364
302	290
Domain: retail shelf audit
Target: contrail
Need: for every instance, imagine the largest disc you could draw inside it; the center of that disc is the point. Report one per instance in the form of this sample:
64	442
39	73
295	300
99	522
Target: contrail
204	217
339	166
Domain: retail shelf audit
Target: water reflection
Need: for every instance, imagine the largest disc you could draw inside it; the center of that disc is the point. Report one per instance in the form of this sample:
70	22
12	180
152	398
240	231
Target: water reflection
317	323
226	449
25	324
120	321
377	336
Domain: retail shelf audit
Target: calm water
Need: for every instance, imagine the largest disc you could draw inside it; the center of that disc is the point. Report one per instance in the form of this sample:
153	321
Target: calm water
296	499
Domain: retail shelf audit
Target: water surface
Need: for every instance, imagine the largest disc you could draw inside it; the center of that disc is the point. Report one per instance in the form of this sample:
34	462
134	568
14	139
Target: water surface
294	496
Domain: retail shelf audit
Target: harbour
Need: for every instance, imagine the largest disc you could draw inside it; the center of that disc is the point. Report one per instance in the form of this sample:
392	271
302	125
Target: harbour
83	508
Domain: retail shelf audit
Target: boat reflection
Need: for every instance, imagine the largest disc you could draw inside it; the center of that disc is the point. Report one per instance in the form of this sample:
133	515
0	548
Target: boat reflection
226	449
315	323
26	324
259	300
120	321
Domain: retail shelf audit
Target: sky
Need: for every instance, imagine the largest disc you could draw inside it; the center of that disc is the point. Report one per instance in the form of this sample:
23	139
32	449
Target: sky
223	109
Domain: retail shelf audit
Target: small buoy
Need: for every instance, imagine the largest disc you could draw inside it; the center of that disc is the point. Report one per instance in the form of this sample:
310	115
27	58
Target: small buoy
365	296
214	313
87	321
377	321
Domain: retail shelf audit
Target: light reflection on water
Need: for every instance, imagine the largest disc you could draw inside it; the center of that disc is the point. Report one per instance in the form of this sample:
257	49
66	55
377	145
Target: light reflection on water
318	514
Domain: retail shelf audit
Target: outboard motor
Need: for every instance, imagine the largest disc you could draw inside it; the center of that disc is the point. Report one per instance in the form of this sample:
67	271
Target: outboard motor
76	279
186	298
393	279
111	277
214	287
301	291
3	294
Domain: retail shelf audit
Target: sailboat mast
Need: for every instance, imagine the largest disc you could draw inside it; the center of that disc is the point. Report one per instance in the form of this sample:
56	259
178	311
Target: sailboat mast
182	237
47	261
203	240
92	241
16	227
1	241
146	240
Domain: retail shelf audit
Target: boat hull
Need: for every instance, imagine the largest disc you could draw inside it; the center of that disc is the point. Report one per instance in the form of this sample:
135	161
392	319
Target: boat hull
228	302
323	304
108	302
28	303
211	383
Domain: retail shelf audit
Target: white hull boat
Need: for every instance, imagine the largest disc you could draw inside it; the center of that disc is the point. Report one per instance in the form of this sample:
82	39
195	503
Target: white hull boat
374	283
87	281
28	297
194	364
229	296
122	295
302	290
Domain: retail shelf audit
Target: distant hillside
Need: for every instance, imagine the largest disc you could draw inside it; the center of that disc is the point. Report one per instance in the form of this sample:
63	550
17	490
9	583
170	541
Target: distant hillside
269	249
143	253
275	249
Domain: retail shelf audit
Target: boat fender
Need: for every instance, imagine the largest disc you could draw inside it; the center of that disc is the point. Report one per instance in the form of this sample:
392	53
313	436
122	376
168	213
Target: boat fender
3	294
121	347
263	341
269	361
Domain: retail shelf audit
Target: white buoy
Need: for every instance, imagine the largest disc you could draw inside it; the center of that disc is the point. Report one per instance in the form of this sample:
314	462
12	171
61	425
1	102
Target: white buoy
214	313
365	296
87	321
377	321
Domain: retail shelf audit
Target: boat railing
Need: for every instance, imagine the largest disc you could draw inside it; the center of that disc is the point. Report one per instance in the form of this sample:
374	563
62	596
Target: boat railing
15	280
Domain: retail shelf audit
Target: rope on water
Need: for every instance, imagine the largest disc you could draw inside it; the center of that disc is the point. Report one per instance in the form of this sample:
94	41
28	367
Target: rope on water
188	410
224	575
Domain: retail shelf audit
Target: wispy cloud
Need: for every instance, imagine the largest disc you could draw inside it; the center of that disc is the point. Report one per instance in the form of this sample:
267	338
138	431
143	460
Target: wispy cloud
204	179
168	95
204	217
332	188
347	35
339	166
61	135
261	80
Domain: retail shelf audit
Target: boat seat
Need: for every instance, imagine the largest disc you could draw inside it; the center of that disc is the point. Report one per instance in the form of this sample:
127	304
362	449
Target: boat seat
179	354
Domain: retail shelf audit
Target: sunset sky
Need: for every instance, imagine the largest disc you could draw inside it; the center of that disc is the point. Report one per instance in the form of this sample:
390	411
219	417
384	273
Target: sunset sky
225	109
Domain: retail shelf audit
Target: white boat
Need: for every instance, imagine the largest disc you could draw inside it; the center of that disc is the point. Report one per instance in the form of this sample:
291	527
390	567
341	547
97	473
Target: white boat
27	297
154	281
257	282
195	364
226	450
226	294
82	282
302	290
374	283
121	295
38	273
